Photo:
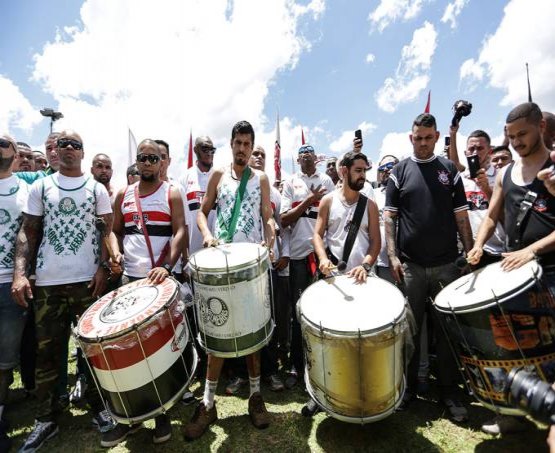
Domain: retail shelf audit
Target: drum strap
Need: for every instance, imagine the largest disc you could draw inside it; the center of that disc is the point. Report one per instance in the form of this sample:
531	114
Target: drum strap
229	230
354	226
166	248
523	211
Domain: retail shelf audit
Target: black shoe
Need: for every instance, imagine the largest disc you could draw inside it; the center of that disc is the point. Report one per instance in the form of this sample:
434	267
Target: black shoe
162	429
310	409
118	434
408	398
42	431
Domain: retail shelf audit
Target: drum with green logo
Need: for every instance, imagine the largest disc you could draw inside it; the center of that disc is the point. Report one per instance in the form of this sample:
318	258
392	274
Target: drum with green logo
233	302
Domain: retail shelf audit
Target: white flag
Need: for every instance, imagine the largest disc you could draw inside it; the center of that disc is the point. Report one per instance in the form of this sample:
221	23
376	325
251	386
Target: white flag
132	147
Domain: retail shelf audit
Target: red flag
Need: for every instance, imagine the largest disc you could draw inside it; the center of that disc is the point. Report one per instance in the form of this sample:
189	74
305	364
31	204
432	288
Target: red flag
302	137
277	153
427	109
190	158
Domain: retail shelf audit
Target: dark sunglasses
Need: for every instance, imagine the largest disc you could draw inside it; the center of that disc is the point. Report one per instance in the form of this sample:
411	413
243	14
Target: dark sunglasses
208	149
4	143
306	149
152	158
65	142
387	166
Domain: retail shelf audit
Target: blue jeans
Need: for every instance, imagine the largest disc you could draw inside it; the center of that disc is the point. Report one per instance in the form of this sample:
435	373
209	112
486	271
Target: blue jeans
12	322
421	285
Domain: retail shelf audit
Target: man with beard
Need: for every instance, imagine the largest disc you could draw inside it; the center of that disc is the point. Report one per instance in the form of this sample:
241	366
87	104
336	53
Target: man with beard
151	254
101	169
40	160
253	224
51	147
24	159
425	209
61	208
300	202
13	193
532	236
336	212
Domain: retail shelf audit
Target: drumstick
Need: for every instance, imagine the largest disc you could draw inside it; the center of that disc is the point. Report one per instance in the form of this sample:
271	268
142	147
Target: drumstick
341	266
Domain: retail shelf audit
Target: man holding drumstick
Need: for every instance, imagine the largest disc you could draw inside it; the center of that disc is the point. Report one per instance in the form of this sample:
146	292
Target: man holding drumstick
253	224
528	210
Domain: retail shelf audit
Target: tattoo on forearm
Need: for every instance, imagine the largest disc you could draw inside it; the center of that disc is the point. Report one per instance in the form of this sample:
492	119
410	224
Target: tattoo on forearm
26	242
391	235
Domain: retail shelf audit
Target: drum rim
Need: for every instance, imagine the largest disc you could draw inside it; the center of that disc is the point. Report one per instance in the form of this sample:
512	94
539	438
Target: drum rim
121	333
478	306
264	258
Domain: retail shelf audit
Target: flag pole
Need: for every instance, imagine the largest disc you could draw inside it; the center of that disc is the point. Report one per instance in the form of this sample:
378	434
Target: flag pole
528	79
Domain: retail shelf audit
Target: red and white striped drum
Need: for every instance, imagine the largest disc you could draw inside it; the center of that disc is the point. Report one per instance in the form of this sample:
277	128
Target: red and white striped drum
137	343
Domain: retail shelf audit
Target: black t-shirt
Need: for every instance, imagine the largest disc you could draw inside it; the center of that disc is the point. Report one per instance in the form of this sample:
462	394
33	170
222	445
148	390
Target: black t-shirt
425	195
540	220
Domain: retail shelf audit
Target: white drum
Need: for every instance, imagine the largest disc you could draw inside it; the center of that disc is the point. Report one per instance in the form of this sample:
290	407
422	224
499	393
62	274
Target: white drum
231	285
354	344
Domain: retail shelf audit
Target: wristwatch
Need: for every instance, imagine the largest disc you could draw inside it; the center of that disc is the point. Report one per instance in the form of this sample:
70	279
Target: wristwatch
167	267
367	267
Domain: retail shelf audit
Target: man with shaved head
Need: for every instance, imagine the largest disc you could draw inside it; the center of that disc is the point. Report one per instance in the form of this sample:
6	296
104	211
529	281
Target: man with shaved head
62	208
101	169
24	159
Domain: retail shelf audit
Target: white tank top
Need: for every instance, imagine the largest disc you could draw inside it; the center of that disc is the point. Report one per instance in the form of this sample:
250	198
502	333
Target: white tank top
339	219
249	223
156	208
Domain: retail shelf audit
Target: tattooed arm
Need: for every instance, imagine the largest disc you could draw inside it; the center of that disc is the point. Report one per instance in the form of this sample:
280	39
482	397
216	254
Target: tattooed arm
395	266
464	229
100	278
25	249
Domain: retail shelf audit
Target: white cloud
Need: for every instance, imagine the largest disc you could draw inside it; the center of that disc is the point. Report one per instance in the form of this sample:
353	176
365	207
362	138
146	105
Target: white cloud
389	11
524	35
370	58
16	112
471	71
452	11
345	141
167	67
412	74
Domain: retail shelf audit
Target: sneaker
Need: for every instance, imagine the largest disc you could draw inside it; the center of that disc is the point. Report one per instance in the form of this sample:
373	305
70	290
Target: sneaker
77	396
202	418
276	385
457	411
118	434
506	424
103	421
235	385
162	429
42	431
260	417
310	409
291	380
188	398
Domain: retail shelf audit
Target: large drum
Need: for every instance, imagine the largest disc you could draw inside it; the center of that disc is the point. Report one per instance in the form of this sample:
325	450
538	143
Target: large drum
354	345
231	284
136	340
497	320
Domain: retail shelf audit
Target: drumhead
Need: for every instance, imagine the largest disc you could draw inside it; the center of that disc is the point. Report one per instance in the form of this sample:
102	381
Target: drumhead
481	288
225	257
124	308
339	304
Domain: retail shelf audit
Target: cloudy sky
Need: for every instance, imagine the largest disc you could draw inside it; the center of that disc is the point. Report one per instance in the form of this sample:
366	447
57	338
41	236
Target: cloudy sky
329	66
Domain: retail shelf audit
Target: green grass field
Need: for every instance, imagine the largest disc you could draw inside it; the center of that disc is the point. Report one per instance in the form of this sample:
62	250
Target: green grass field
421	429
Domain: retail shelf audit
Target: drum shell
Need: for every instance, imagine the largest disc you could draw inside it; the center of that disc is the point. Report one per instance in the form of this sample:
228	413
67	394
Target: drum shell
492	339
142	371
242	321
356	377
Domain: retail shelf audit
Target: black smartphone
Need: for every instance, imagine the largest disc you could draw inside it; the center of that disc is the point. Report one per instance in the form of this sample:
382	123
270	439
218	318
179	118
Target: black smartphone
447	142
473	165
358	134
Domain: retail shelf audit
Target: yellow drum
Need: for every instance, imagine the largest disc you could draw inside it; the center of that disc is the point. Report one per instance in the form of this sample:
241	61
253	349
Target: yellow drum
354	345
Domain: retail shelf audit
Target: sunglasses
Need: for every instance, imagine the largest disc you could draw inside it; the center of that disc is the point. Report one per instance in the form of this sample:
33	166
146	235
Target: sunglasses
65	142
208	149
306	149
152	158
387	166
5	144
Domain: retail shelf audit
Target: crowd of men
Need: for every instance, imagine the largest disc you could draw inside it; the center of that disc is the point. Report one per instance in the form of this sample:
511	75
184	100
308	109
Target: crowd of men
420	215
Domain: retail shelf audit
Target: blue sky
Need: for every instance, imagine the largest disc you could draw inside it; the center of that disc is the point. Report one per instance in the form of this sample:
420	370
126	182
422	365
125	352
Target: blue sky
165	67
